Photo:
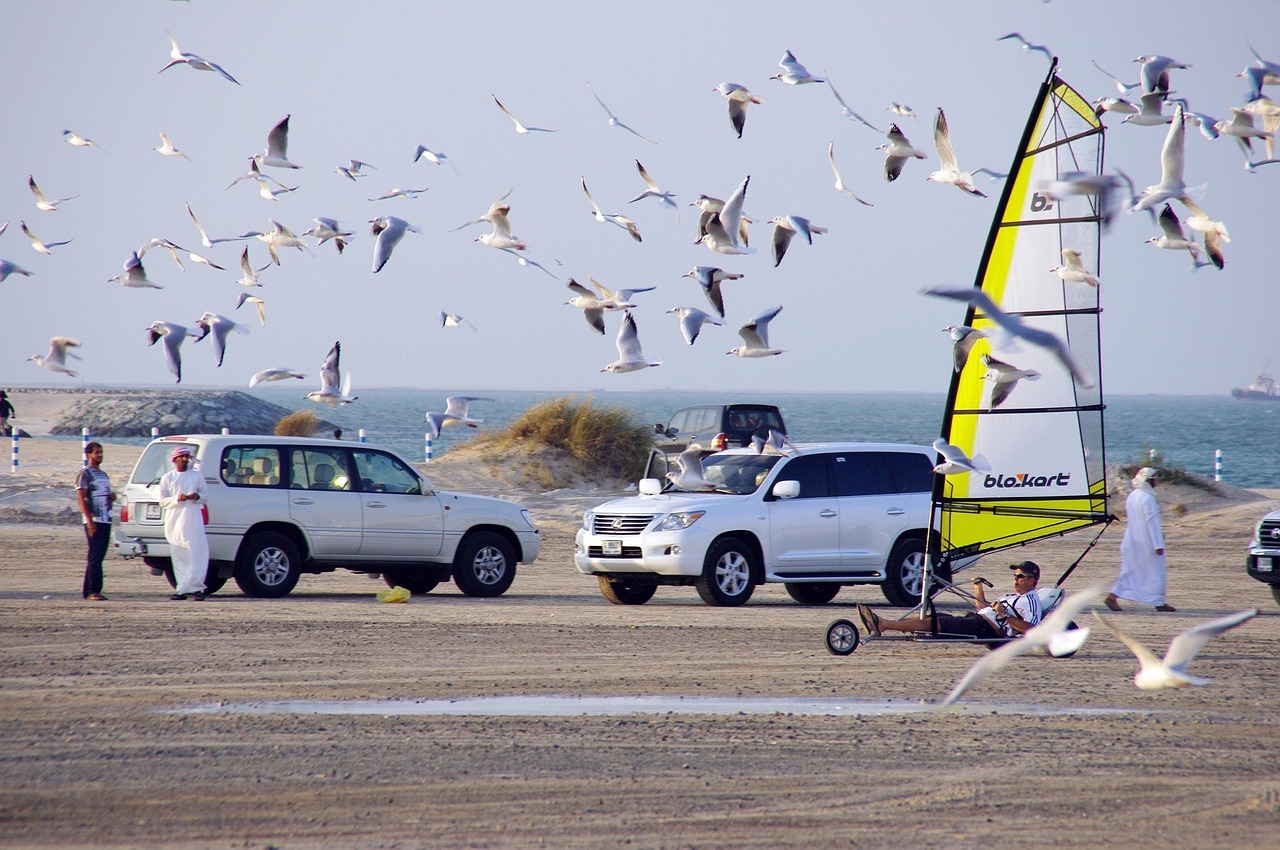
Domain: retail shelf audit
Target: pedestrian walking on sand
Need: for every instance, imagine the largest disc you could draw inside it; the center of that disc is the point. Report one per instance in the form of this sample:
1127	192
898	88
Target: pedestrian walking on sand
1143	571
6	413
93	489
182	494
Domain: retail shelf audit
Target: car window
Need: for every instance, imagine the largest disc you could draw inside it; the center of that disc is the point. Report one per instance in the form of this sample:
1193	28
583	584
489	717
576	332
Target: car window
379	472
677	422
155	462
911	472
320	469
251	466
811	472
740	474
701	419
859	474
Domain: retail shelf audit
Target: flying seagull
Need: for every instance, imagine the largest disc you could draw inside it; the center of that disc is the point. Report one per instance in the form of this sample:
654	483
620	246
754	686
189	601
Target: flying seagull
652	190
785	227
614	120
191	60
325	229
709	278
42	202
689	475
453	320
455	413
389	230
352	169
7	268
846	111
739	99
277	152
963	339
56	359
1073	270
793	73
219	327
74	138
840	187
1173	238
590	303
204	237
755	336
724	228
166	148
1028	47
950	171
691	321
278	373
37	244
329	375
630	357
520	128
1171	671
248	274
135	276
246	298
1004	378
436	157
897	152
955	461
173	335
615	219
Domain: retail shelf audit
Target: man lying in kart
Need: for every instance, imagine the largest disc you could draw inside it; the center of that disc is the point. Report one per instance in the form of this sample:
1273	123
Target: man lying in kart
1012	615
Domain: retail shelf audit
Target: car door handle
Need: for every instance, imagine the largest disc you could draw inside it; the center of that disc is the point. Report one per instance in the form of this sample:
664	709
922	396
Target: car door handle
896	511
375	504
301	501
827	512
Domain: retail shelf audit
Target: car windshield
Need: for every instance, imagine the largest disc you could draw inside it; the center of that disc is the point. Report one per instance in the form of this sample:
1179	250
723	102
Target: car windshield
739	474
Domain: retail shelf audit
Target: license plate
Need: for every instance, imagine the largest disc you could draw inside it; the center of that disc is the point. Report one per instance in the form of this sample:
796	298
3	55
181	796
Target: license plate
1264	565
612	547
151	511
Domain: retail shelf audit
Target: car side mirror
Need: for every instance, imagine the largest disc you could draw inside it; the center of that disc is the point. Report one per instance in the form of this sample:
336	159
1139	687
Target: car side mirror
786	489
650	486
659	428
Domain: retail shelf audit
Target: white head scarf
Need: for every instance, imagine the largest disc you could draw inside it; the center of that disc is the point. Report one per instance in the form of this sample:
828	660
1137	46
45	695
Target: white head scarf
1143	476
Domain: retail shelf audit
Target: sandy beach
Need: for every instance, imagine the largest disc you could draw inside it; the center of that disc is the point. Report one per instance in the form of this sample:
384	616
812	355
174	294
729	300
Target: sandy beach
99	747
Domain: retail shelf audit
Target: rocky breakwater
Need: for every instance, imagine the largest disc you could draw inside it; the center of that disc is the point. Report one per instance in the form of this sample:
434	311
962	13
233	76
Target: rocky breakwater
133	413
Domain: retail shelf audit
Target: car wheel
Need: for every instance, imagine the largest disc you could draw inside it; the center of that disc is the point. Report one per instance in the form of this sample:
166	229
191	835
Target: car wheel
415	583
157	563
627	591
813	593
485	564
842	637
268	565
1275	592
904	573
212	584
726	579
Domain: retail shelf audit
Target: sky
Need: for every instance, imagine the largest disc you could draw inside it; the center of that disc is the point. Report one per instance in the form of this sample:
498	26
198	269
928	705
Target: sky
373	81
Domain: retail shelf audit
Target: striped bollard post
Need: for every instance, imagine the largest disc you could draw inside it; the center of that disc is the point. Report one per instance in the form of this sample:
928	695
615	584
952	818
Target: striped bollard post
226	431
360	435
1217	464
427	447
84	443
15	449
155	432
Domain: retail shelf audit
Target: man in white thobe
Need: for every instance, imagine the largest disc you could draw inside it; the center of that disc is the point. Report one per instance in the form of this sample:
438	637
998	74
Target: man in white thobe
1142	566
182	493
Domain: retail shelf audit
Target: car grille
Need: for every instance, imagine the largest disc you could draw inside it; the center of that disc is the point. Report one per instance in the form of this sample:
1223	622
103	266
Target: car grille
627	552
1269	534
621	524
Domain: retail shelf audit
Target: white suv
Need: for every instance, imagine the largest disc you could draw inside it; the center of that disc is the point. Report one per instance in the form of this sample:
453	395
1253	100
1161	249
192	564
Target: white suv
282	506
819	517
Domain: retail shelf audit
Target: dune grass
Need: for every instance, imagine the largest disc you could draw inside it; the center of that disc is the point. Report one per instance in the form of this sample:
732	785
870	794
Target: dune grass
602	441
1167	472
300	423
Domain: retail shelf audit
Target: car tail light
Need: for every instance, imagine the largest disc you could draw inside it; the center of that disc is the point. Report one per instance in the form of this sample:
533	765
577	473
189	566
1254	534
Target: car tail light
718	442
124	511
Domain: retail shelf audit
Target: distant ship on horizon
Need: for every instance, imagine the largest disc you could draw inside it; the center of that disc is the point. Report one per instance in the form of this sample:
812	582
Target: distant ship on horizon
1263	388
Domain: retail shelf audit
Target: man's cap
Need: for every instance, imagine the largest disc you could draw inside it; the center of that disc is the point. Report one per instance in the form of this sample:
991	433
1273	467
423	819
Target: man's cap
1031	568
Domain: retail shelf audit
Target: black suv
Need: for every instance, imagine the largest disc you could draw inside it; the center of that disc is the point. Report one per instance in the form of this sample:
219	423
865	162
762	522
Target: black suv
714	427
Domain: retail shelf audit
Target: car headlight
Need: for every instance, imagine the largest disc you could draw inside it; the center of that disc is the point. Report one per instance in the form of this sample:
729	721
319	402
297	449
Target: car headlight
524	512
588	520
676	522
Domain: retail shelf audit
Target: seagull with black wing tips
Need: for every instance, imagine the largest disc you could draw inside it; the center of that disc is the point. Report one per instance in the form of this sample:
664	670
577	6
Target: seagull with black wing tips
42	202
277	153
793	73
500	236
276	238
56	360
73	138
1013	326
630	356
689	474
840	187
330	370
619	299
191	60
738	99
1028	47
593	307
846	111
219	327
1121	86
498	209
653	191
204	237
135	276
399	193
950	171
755	336
258	303
955	461
434	157
1155	674
1215	232
352	169
615	219
710	278
7	268
455	414
1154	74
614	121
963	339
325	229
37	244
248	274
453	320
897	152
520	128
1073	270
1173	238
785	227
1241	128
173	335
389	230
277	373
1150	111
1004	377
691	321
724	228
166	148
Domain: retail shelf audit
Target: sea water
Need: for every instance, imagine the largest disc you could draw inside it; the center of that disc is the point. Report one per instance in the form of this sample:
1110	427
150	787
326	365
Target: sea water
1184	430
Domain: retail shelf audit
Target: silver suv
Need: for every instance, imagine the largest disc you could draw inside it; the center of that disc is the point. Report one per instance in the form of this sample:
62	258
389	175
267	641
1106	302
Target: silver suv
279	507
820	517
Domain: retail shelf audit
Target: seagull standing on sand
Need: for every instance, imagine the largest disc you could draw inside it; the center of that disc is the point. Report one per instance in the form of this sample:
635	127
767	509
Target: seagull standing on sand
173	336
1156	674
691	321
1073	270
709	278
689	475
896	153
1054	634
950	171
614	120
963	339
191	60
793	73
219	326
56	359
455	413
329	371
739	99
840	187
1004	378
785	227
955	461
37	244
246	298
43	203
630	357
520	128
278	373
1014	327
755	336
389	230
277	153
135	276
166	148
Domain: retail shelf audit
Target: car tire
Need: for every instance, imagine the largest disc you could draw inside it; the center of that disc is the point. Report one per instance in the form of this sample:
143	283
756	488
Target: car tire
813	593
485	564
414	582
157	563
728	571
268	565
904	573
842	637
212	584
1275	593
627	591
